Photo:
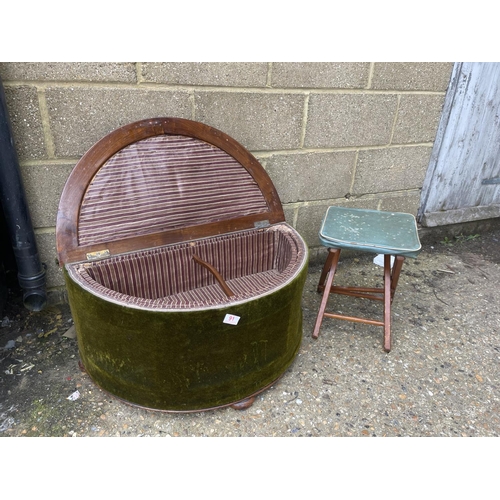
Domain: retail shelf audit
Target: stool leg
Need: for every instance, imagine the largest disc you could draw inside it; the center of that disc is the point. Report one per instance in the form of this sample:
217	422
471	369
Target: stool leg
389	291
396	270
387	302
326	268
330	265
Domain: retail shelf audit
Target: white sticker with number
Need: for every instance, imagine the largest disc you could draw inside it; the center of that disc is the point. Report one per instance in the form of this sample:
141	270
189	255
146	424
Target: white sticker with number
231	319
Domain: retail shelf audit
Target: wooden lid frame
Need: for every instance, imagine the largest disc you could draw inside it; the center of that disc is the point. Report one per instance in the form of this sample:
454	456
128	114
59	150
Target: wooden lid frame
68	247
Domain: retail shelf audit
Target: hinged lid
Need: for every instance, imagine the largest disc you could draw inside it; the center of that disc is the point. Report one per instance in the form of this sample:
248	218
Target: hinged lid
161	181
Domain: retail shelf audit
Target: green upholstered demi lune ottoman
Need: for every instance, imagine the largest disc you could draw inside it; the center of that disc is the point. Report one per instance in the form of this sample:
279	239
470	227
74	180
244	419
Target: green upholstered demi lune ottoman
184	281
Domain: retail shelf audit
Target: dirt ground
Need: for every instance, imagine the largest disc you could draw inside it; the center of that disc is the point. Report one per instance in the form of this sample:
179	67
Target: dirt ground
442	377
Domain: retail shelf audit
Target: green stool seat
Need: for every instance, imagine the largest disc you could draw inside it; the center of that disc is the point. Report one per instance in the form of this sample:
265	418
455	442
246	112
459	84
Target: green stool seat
393	233
388	233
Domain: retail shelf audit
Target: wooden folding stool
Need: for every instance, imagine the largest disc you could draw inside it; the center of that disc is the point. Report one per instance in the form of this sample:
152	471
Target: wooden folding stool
393	234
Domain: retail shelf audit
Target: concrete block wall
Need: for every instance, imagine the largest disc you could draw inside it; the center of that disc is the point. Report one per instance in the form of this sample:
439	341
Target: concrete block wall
356	134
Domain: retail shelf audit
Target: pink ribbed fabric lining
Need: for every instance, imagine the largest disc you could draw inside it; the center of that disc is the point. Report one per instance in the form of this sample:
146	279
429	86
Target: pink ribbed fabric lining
165	182
252	263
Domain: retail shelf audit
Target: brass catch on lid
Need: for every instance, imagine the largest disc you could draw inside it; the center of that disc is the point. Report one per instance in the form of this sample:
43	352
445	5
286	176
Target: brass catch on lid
100	254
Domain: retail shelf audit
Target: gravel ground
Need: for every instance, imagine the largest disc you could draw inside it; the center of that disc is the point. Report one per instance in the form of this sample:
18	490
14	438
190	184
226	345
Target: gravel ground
442	377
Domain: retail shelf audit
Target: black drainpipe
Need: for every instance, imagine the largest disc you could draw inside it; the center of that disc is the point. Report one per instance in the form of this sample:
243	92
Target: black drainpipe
31	273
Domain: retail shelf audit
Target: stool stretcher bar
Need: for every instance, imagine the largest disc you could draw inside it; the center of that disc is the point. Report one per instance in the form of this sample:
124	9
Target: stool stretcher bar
385	294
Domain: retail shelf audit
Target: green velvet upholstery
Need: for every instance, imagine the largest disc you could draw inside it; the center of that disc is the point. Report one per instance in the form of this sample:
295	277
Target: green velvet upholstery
188	360
165	226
